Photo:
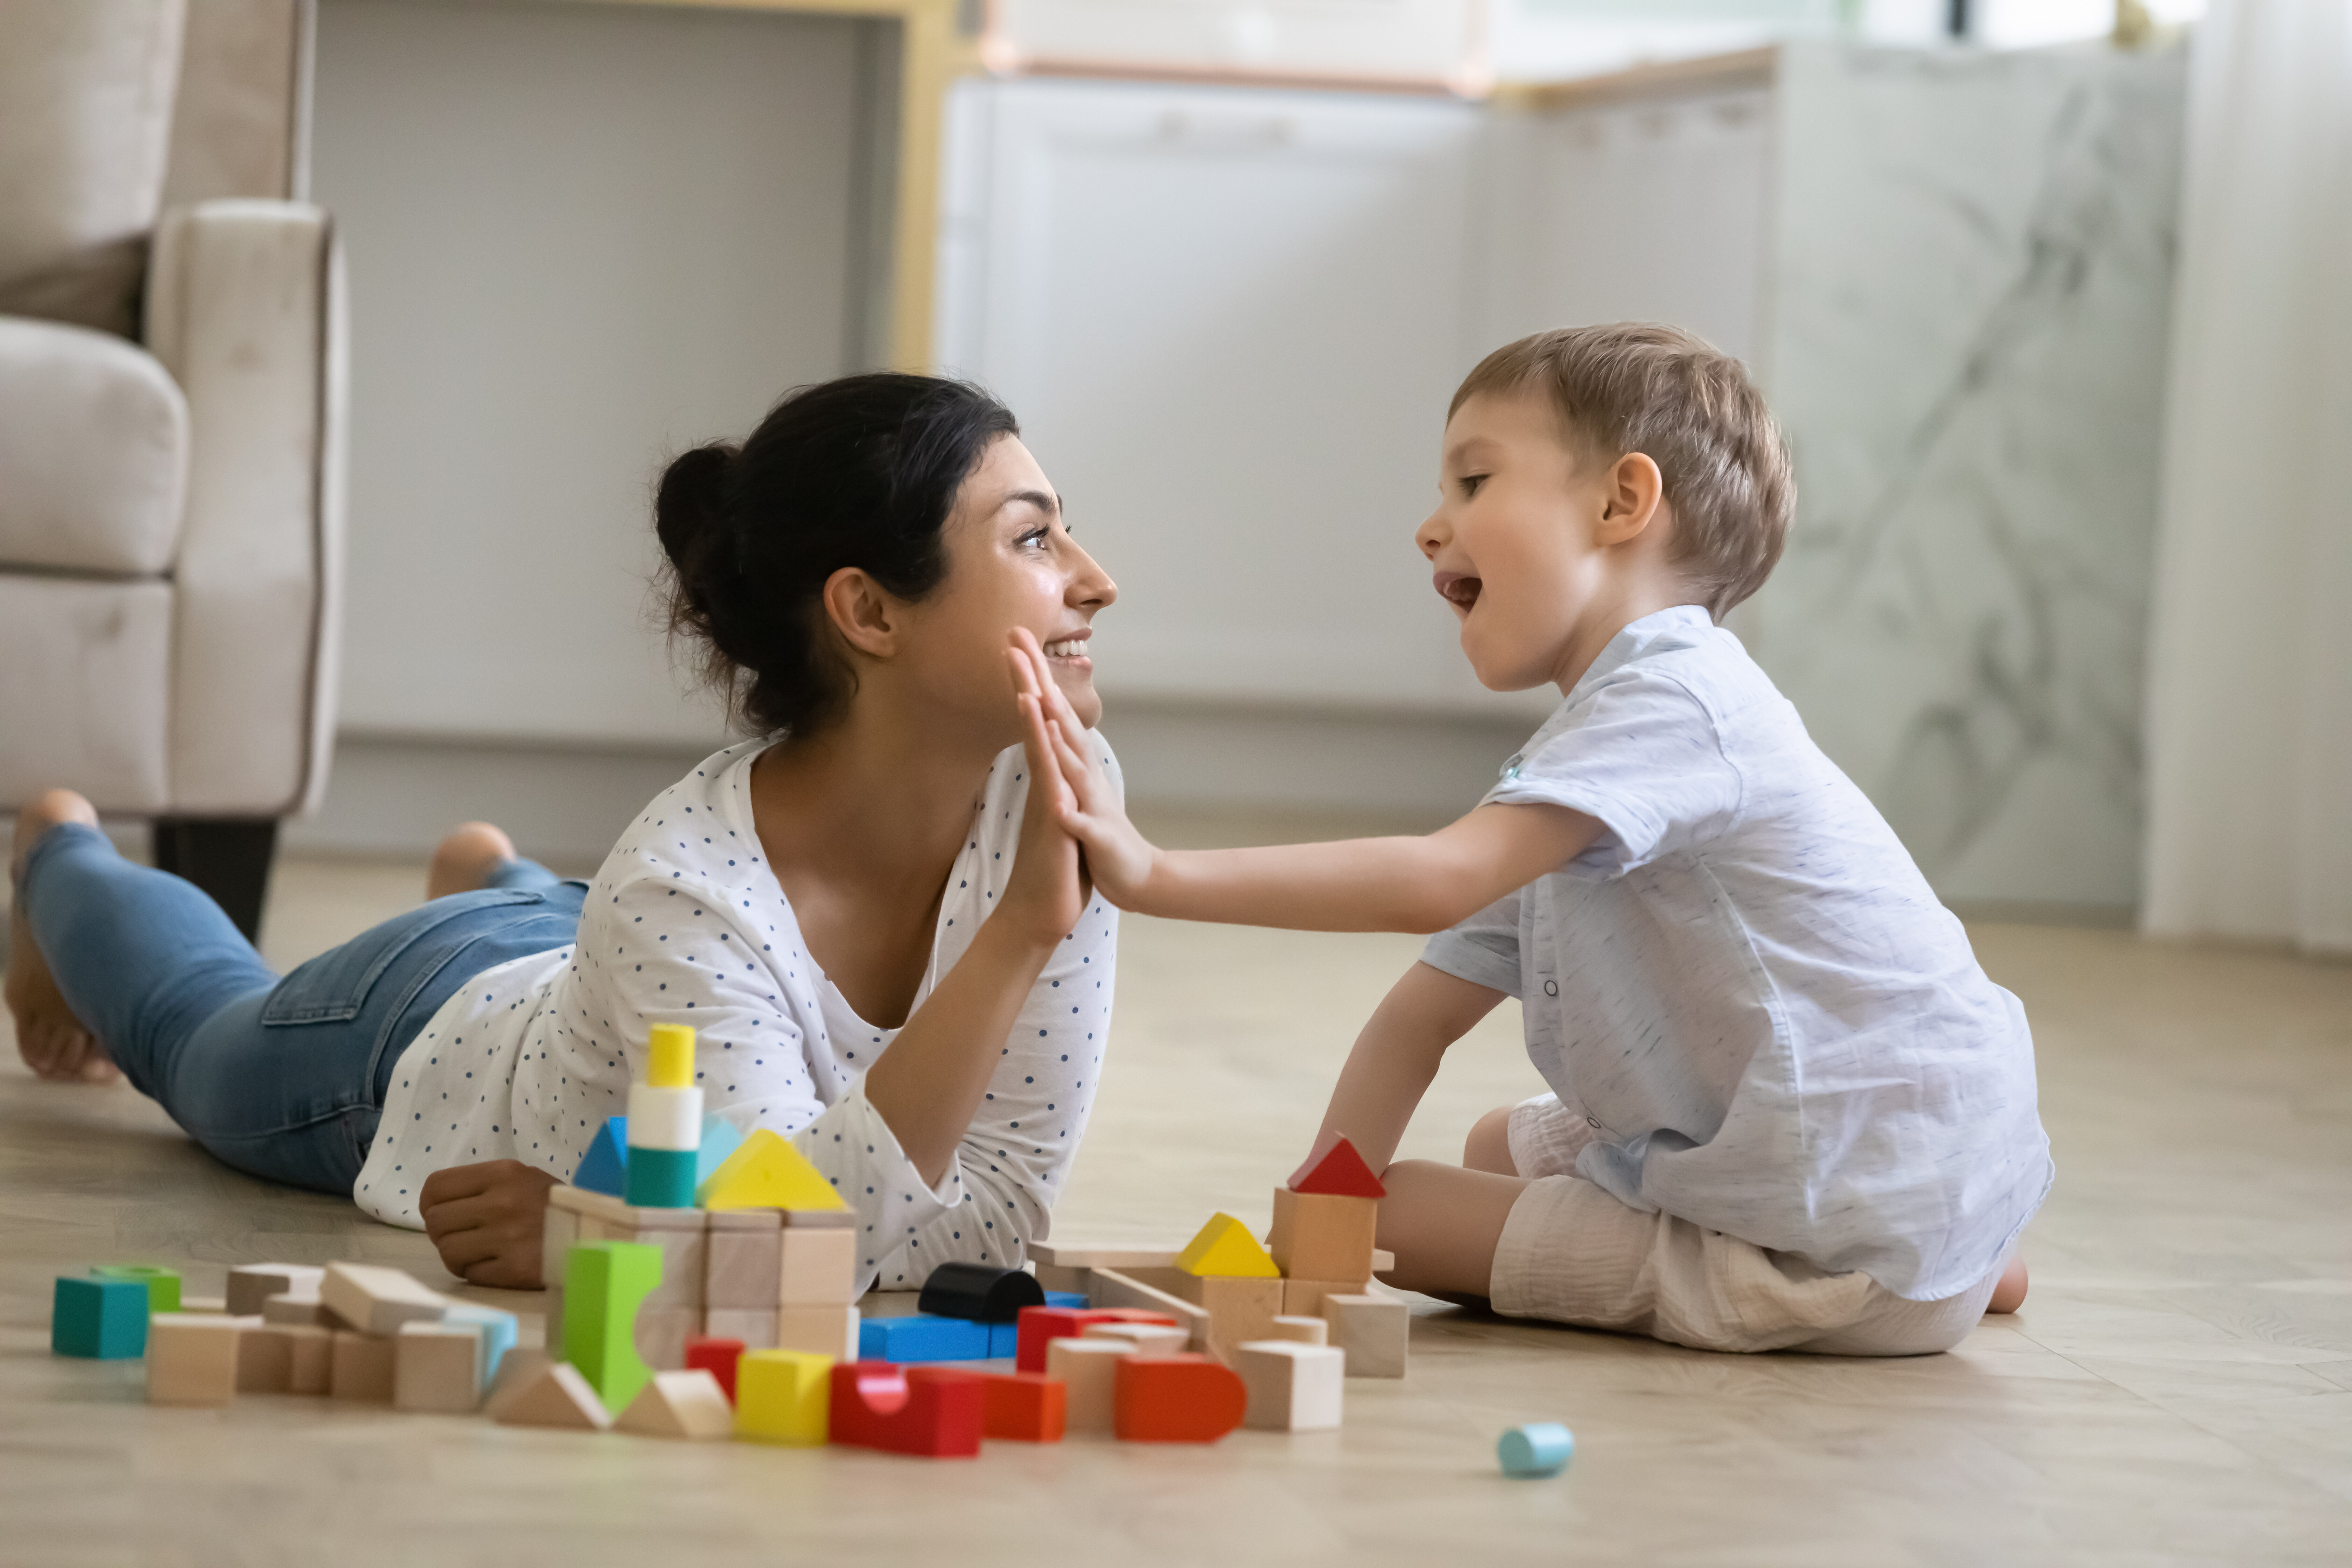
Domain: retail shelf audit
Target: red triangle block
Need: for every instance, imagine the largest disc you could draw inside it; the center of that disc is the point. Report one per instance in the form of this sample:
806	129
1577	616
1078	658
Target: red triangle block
1336	1168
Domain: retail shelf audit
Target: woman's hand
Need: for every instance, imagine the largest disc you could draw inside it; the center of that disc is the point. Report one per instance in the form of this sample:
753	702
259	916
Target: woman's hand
487	1221
1048	889
1071	779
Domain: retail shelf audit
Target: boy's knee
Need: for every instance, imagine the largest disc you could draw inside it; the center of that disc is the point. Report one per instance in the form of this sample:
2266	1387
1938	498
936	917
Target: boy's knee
1488	1147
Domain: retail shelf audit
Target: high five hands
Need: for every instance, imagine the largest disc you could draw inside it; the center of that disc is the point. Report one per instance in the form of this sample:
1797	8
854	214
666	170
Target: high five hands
1079	794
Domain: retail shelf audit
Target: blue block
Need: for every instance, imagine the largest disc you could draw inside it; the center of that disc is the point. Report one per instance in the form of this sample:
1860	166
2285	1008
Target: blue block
105	1319
1004	1339
1539	1448
720	1140
922	1339
605	1167
1076	1298
498	1333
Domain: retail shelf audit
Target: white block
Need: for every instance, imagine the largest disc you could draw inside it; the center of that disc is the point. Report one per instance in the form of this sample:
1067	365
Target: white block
664	1117
1293	1386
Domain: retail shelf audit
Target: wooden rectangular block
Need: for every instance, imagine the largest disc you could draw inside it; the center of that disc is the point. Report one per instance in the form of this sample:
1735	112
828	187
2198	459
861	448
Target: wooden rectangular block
1046	1254
1373	1332
756	1329
1323	1235
819	1330
252	1284
1315	1330
437	1366
377	1300
1088	1369
265	1362
742	1260
191	1358
1293	1388
1057	1276
1304	1298
1143	1339
292	1309
311	1356
662	1333
559	1228
1240	1307
362	1367
1112	1288
818	1266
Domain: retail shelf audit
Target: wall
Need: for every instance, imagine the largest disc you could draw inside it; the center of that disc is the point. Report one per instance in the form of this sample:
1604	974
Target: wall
1973	263
580	238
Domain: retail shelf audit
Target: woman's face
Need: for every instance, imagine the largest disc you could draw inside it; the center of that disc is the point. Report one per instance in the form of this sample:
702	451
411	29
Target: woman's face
1010	563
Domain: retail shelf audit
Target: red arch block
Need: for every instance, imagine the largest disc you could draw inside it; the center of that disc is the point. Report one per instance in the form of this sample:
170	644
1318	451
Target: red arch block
932	1411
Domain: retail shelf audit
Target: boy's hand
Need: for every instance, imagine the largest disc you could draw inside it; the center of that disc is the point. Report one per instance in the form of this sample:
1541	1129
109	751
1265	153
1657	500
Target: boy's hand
1078	791
487	1220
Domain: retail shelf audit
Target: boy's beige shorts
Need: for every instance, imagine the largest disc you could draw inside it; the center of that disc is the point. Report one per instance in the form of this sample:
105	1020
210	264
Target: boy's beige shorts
1572	1253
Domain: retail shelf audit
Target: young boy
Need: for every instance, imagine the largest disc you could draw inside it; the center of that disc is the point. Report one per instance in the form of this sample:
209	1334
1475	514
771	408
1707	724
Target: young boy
1789	1109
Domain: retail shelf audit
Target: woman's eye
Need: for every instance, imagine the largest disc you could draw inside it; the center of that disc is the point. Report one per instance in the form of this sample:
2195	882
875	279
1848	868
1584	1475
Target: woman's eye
1034	537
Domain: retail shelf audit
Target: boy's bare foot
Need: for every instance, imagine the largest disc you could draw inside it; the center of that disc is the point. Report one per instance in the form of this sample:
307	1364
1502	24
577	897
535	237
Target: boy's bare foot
462	862
2010	1294
48	1037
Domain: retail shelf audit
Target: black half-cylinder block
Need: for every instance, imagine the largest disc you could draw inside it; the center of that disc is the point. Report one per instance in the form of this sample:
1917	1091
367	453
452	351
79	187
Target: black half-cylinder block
980	1292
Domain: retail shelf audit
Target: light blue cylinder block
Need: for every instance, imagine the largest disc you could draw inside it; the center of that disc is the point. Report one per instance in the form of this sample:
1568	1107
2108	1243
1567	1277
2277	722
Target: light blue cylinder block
1537	1450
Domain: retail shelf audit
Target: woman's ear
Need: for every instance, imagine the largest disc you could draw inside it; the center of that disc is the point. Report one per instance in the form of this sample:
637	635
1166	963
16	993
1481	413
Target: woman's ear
862	612
1634	493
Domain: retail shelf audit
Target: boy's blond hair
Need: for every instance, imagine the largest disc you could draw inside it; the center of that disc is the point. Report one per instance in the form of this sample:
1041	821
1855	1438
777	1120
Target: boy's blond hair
1666	393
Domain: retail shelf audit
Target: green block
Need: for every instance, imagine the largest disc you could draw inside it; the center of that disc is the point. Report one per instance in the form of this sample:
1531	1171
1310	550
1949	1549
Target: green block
105	1319
605	1283
162	1283
661	1178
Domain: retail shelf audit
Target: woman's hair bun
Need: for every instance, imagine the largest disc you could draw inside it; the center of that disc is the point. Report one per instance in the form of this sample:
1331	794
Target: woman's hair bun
687	506
860	472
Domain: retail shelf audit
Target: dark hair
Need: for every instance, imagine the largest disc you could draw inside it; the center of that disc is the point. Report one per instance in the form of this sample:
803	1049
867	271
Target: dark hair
861	472
1665	393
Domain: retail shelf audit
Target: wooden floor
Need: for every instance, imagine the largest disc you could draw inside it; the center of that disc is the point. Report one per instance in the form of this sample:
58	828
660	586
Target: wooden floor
2178	1389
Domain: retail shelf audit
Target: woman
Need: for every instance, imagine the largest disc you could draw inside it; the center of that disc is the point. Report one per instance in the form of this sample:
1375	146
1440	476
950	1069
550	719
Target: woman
889	954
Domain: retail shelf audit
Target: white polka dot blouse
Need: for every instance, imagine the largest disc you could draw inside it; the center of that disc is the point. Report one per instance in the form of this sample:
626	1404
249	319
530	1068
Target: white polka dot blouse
686	924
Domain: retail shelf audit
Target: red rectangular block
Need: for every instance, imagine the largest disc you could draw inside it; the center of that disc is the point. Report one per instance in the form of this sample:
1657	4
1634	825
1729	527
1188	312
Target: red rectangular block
1027	1407
718	1357
932	1411
1042	1325
1177	1399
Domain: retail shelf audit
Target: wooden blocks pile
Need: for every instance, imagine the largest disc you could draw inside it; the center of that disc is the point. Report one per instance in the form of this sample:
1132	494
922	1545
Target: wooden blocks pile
349	1329
774	1279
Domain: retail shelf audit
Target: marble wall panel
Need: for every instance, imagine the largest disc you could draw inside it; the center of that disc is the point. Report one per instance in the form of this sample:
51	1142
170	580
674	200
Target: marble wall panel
1970	279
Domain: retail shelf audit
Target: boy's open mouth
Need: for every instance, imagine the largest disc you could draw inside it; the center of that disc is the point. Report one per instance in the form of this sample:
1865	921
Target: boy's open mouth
1460	589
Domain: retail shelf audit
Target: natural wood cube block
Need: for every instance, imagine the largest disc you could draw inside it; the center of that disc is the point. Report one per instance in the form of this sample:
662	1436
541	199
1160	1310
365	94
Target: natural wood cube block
1090	1369
1293	1388
662	1333
821	1331
191	1358
1315	1330
437	1366
1304	1297
1323	1235
743	1259
816	1267
363	1367
754	1327
1373	1331
265	1362
1241	1307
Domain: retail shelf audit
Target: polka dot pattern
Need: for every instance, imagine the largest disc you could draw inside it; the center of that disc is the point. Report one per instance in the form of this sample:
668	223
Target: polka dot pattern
686	924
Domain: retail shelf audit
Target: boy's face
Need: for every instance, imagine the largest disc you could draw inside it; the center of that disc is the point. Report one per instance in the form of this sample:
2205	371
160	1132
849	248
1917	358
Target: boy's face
1528	541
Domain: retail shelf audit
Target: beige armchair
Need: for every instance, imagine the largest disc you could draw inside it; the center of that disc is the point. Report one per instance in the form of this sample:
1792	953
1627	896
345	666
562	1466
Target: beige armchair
171	425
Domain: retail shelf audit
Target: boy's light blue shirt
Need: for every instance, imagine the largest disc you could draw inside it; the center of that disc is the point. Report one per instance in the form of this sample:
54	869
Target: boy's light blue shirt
1749	988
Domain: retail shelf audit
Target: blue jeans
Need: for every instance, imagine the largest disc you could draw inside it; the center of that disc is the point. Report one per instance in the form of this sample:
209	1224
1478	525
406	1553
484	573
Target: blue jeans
281	1078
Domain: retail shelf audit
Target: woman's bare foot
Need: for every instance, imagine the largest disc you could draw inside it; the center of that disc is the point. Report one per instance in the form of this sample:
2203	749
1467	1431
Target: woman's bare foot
48	1037
2010	1294
462	862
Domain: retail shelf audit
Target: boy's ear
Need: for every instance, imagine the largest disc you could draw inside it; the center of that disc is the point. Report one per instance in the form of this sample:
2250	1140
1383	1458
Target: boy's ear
862	612
1631	494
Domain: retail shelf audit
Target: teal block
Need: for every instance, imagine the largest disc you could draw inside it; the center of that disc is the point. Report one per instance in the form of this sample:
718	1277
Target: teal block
162	1283
105	1319
1539	1448
661	1179
498	1333
720	1140
605	1167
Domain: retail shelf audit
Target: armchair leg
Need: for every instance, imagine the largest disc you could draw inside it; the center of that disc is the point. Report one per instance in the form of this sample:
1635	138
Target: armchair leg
229	858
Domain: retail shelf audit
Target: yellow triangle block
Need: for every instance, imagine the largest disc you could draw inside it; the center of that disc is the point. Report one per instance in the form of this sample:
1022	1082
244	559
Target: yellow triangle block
1225	1247
766	1172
